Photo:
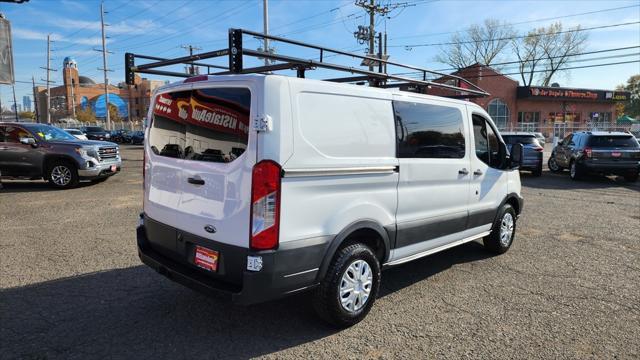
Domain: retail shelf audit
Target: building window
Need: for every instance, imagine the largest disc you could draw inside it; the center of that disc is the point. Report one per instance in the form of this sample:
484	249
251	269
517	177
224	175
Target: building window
528	117
499	112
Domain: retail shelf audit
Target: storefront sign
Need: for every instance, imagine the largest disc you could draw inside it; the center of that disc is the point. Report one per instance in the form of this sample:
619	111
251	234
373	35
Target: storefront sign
535	92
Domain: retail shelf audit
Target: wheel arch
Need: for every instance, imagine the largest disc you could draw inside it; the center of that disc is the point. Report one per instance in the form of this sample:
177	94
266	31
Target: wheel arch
50	158
369	232
515	200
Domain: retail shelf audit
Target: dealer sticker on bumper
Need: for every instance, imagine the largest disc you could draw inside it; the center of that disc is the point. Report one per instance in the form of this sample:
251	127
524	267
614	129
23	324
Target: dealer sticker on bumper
206	258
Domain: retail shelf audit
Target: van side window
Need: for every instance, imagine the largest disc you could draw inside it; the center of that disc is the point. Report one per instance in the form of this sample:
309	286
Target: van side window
486	142
428	131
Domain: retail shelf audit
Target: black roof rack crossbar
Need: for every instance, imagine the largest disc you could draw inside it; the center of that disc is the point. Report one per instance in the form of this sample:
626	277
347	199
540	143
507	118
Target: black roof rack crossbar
236	52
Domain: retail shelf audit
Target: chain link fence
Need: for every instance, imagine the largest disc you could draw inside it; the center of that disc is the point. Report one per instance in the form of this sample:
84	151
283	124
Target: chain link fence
115	125
560	130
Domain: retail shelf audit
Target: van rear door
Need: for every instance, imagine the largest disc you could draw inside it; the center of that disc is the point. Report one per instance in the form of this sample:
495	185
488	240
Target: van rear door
208	153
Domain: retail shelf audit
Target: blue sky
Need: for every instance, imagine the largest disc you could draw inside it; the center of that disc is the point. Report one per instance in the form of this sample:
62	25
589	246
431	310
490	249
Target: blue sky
159	27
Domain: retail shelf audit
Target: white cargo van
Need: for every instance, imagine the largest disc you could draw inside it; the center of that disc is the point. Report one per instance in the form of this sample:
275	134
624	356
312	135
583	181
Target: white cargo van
261	186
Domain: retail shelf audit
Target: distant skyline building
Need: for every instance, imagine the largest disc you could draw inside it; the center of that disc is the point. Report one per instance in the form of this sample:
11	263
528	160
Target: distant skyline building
26	103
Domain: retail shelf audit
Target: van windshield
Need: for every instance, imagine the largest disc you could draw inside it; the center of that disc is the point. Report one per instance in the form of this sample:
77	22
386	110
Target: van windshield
201	125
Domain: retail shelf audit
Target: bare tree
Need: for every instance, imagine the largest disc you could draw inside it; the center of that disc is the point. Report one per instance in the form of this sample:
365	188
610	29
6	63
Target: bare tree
477	44
545	51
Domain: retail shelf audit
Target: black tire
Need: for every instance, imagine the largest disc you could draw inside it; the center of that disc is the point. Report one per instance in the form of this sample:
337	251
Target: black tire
59	168
538	171
575	171
326	299
553	165
493	242
631	177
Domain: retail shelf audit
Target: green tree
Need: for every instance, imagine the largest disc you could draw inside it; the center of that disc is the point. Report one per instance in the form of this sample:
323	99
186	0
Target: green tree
27	115
85	115
114	114
632	107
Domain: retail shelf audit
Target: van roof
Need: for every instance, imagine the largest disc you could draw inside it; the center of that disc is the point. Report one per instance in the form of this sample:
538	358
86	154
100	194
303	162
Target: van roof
204	79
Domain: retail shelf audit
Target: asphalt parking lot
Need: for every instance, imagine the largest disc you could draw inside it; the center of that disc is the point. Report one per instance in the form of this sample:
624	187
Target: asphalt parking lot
71	286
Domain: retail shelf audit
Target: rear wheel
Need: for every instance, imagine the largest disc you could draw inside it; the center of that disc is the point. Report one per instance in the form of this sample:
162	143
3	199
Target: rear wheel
575	171
553	164
504	231
350	287
538	171
62	174
631	177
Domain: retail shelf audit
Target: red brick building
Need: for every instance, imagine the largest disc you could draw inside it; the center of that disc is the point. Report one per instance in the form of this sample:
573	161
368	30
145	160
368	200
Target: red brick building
535	108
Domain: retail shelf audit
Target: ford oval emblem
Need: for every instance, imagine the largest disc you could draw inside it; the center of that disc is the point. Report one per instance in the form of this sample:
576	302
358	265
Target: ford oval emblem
210	229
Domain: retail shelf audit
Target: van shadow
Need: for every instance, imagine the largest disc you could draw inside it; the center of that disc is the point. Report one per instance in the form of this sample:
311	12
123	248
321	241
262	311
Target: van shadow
135	313
562	181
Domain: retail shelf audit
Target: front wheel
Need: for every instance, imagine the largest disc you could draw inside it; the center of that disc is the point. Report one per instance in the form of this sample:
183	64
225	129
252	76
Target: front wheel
347	293
553	164
62	175
503	232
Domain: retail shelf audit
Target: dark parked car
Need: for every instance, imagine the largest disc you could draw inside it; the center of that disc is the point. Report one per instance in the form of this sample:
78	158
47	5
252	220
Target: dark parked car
36	151
532	150
95	133
121	136
137	137
601	152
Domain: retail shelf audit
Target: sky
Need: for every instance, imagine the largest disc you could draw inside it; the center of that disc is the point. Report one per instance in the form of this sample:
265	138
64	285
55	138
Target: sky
161	27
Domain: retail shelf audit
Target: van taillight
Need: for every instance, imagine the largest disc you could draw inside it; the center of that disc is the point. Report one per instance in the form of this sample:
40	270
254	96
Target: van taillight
588	152
265	205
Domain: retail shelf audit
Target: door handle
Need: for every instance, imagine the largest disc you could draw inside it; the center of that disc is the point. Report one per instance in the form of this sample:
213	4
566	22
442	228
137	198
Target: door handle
195	181
463	171
477	172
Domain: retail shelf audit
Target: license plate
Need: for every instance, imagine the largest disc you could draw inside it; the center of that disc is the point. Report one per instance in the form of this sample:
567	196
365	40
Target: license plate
206	258
616	154
113	168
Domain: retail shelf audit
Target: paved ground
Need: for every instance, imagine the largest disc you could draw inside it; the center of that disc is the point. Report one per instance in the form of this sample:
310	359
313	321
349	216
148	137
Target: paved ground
71	286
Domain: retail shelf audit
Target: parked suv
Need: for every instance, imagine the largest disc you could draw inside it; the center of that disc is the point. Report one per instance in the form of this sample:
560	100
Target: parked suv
602	152
95	133
263	186
532	157
36	151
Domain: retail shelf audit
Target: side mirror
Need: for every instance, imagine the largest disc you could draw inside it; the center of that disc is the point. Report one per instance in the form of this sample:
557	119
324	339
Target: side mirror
515	160
28	141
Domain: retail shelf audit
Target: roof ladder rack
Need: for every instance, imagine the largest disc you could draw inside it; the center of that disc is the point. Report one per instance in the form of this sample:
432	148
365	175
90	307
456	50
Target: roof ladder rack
236	52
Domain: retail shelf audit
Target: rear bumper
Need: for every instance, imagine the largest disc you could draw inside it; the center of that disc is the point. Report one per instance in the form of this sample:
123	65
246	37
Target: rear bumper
284	271
611	167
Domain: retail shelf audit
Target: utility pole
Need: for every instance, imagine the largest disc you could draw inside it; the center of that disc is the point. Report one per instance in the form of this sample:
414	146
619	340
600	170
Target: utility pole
105	69
48	80
265	15
15	103
191	70
35	98
368	35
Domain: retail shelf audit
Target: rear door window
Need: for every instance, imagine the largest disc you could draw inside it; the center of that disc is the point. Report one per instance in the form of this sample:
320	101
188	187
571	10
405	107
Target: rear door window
201	125
520	139
613	141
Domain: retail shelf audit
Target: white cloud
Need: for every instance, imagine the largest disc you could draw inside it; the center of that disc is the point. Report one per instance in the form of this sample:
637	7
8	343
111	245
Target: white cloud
27	34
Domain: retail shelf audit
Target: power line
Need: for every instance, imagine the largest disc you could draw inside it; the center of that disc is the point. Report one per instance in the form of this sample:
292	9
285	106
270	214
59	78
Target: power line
522	22
560	69
410	46
555	57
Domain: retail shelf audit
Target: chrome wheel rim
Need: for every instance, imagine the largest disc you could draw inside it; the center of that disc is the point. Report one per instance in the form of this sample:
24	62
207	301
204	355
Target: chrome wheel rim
506	229
573	170
355	286
553	165
61	175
